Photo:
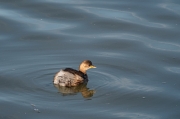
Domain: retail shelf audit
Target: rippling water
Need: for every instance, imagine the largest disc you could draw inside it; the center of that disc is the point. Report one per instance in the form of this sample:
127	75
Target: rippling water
134	44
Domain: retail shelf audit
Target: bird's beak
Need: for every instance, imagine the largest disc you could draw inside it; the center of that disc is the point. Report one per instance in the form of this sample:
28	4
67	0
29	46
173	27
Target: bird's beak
92	66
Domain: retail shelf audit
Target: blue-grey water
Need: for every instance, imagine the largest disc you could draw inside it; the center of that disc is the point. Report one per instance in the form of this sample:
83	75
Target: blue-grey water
135	45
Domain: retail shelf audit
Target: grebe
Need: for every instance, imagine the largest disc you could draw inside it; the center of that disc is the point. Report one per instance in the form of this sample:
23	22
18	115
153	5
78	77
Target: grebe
70	77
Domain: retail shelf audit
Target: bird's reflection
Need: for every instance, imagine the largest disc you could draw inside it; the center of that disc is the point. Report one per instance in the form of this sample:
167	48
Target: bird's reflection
82	88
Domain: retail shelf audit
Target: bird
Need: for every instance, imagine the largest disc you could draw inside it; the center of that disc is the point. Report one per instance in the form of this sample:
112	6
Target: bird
70	77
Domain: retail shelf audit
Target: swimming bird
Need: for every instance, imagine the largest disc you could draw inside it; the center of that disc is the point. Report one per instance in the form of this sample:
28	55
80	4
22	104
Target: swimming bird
70	77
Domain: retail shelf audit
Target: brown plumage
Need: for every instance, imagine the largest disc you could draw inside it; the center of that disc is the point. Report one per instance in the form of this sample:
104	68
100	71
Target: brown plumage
71	77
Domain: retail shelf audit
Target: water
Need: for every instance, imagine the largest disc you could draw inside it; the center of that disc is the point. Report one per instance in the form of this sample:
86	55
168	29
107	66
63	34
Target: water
134	45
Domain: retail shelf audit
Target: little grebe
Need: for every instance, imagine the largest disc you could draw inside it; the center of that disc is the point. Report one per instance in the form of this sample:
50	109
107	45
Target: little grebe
70	77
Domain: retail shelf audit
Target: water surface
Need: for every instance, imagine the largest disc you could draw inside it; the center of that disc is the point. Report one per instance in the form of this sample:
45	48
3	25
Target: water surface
134	44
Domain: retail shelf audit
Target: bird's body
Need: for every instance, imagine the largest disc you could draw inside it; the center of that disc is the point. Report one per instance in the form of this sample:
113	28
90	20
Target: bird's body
70	77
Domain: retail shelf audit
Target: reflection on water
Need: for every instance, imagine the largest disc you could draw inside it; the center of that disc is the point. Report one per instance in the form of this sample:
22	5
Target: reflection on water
82	88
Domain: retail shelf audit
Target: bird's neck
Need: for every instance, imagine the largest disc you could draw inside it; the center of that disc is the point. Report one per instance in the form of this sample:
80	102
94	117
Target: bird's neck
82	70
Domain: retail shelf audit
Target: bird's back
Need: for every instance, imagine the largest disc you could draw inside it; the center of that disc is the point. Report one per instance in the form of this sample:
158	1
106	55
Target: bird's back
69	77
